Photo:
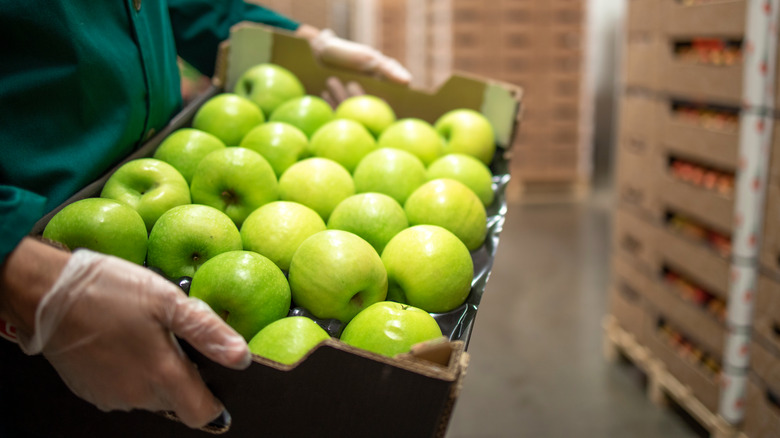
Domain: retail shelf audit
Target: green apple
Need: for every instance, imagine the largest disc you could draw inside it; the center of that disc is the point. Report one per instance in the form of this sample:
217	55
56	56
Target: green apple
452	205
102	225
336	274
278	228
288	340
394	172
184	149
428	267
416	136
318	183
229	117
149	186
370	111
343	141
234	180
373	216
246	289
467	132
307	113
186	236
389	328
268	86
280	143
468	170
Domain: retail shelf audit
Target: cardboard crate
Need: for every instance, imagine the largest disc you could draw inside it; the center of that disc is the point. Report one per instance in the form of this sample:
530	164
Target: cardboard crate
636	178
762	411
707	18
710	145
634	239
697	262
641	52
702	382
336	390
766	317
642	15
687	316
639	118
770	243
681	23
706	205
628	293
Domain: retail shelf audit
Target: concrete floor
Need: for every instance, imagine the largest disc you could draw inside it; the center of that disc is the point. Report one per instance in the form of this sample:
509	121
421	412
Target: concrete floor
537	368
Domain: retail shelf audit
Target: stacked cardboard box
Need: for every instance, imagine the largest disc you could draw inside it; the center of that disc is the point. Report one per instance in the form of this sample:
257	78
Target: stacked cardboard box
678	160
537	44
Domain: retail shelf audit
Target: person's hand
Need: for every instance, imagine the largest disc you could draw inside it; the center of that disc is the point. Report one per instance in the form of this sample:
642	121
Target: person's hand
107	326
355	56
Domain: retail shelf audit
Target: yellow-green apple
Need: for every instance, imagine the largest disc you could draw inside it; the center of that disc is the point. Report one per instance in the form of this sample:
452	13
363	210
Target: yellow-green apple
268	86
102	225
468	170
307	113
280	143
467	132
336	274
428	267
234	180
318	183
394	172
343	141
186	236
229	117
149	186
452	205
373	216
389	328
370	111
287	340
276	229
184	149
416	136
246	289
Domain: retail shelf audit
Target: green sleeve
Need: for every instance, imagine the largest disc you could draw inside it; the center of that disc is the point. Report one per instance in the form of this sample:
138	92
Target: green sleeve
19	210
200	25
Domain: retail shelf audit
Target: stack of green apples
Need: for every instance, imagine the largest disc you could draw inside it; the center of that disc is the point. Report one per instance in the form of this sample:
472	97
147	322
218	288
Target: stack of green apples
272	200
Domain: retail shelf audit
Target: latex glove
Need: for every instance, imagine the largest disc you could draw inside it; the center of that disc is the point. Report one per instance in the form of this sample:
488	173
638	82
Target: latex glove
336	91
348	54
107	326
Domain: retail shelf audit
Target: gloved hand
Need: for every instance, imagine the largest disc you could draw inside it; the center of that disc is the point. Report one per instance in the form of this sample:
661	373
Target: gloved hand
348	54
107	326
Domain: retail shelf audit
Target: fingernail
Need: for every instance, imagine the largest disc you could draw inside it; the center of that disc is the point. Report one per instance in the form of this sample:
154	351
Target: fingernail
222	421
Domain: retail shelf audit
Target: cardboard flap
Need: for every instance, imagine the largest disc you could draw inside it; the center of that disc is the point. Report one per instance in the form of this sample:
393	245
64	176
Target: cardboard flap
251	44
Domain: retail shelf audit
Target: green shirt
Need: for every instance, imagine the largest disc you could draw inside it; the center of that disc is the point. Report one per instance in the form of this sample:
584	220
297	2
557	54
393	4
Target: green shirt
84	82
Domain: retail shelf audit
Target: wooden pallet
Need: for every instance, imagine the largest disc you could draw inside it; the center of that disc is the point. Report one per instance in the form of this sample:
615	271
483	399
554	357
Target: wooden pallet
547	192
662	386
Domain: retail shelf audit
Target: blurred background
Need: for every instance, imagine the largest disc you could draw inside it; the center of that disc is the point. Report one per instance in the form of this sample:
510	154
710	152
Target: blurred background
636	288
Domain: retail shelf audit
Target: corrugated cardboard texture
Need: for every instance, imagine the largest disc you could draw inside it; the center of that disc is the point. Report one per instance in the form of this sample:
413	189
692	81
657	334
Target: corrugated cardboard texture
267	399
706	206
627	297
640	60
696	261
766	316
762	413
635	240
690	140
703	384
770	243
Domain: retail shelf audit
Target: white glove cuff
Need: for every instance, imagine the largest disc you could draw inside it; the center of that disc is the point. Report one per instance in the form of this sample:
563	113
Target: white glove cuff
58	300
